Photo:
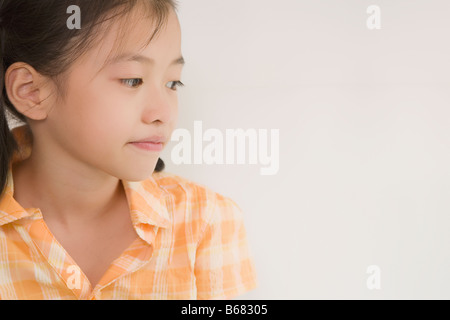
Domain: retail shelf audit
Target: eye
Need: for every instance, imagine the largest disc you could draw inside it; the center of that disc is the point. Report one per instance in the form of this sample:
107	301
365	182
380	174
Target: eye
130	82
174	84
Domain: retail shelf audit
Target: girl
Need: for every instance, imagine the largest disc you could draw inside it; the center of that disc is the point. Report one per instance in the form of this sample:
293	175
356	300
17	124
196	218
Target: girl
86	210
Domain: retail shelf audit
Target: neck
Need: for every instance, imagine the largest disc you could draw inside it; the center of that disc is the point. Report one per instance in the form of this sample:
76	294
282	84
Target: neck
65	194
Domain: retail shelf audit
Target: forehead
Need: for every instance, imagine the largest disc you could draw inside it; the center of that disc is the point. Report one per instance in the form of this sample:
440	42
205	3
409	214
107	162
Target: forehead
130	57
125	41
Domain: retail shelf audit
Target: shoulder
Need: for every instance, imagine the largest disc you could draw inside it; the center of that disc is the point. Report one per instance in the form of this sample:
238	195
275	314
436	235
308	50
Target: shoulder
183	189
202	202
211	228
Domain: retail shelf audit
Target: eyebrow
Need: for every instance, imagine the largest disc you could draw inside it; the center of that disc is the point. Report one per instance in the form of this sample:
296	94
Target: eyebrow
142	59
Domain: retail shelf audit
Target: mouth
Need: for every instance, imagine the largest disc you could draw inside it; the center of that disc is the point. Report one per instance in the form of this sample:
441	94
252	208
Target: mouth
148	146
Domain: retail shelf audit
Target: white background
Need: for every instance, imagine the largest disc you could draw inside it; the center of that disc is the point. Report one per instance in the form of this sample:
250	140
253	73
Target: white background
364	119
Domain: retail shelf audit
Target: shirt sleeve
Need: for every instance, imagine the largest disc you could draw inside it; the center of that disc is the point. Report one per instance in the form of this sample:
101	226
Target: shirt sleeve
223	265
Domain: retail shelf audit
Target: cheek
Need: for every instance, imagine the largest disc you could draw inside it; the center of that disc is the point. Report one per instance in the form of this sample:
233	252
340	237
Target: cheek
174	122
95	120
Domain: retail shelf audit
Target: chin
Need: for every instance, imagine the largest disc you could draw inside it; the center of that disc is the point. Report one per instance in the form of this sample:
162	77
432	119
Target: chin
140	175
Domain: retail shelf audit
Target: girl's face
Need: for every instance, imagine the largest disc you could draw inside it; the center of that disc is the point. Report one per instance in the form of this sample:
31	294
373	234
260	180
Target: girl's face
103	112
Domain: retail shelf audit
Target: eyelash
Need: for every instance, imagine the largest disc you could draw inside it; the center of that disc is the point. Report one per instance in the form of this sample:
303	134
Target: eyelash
175	83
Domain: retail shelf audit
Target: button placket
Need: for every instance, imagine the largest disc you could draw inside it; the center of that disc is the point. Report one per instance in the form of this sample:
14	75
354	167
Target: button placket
131	260
59	259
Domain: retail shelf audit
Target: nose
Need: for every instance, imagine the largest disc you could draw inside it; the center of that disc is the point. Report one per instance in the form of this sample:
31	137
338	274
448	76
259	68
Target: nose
160	106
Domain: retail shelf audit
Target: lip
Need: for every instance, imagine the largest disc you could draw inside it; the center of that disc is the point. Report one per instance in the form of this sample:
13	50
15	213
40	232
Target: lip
152	139
148	146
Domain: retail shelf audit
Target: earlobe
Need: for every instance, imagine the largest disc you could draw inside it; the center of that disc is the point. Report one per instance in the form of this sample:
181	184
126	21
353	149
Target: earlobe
23	86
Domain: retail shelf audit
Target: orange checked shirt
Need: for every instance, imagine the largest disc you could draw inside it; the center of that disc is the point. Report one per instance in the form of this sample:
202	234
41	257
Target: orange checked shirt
192	245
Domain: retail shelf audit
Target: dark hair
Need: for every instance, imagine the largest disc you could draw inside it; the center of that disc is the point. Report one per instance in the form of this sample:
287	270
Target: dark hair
36	33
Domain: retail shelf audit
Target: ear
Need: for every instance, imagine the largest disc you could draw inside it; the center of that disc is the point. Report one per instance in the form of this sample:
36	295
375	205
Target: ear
27	91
